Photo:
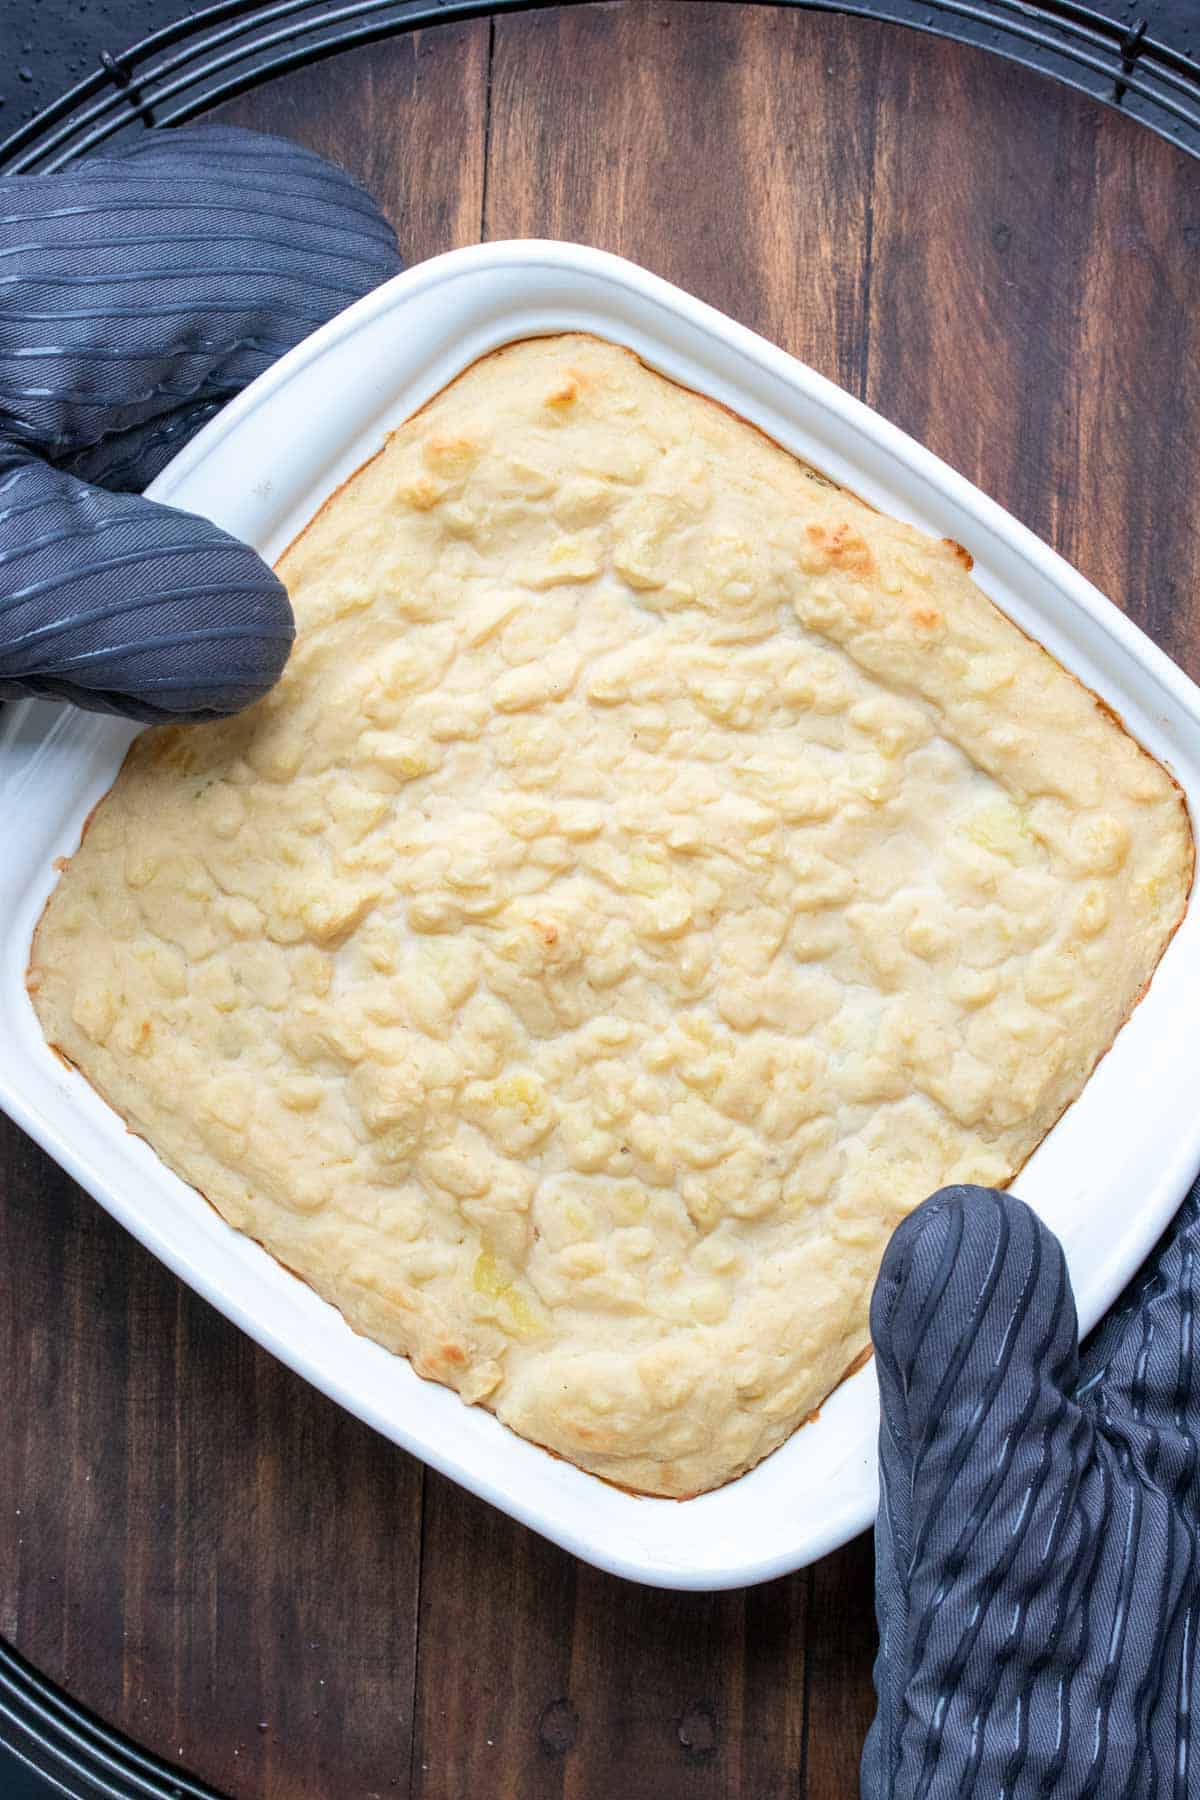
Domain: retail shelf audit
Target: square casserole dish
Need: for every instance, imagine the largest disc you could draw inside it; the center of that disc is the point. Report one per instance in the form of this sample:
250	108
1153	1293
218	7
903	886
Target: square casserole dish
1107	1178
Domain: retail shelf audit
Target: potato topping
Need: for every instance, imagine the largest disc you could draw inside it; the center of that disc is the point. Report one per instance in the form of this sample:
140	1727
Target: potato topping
654	873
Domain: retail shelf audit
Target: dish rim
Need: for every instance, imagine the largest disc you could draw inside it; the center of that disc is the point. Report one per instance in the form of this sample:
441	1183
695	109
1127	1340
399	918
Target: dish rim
798	382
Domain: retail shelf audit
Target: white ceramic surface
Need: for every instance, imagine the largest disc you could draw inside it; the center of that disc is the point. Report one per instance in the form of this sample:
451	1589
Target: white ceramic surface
1108	1177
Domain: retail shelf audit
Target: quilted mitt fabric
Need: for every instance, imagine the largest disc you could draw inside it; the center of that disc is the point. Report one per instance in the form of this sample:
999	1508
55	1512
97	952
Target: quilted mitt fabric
1038	1578
138	292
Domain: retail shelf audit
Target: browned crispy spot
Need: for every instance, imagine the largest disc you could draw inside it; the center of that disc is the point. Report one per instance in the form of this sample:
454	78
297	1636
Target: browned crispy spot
441	1364
844	547
963	556
860	1362
924	616
422	494
450	455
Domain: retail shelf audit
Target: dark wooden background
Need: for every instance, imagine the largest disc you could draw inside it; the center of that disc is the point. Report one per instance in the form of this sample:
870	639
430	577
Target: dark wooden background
191	1541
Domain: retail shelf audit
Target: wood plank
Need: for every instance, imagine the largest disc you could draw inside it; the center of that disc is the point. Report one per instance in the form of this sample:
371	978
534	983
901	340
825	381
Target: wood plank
973	319
1127	431
841	1648
725	147
1032	319
496	1707
690	1694
406	117
542	1679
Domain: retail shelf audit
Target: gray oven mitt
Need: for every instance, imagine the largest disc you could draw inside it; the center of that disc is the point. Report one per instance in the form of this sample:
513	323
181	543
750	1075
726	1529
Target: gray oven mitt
1038	1540
138	292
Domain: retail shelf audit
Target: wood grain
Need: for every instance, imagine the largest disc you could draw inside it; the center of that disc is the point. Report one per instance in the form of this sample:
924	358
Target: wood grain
586	1687
407	117
727	148
193	1542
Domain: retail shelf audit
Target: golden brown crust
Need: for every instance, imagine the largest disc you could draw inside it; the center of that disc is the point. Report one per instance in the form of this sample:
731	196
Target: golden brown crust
654	873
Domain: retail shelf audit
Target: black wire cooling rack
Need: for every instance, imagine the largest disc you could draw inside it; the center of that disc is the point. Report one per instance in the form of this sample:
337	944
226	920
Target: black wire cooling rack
52	1744
224	49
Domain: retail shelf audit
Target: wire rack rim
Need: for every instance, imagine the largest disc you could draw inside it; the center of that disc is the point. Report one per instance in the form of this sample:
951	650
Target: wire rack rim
1063	31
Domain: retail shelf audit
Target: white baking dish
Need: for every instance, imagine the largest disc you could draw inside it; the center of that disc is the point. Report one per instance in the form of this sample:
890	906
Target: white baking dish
1107	1178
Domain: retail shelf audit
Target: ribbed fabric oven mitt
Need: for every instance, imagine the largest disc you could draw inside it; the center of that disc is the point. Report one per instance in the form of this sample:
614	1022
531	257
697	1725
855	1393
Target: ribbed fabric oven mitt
138	292
1037	1545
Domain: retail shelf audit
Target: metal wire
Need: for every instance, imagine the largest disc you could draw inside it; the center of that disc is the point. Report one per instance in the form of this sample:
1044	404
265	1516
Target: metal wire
77	1753
226	48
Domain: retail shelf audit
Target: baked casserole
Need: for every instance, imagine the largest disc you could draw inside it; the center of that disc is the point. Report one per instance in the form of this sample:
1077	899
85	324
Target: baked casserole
655	872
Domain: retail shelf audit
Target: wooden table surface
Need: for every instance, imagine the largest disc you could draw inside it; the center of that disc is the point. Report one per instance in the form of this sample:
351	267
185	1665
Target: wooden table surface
193	1542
